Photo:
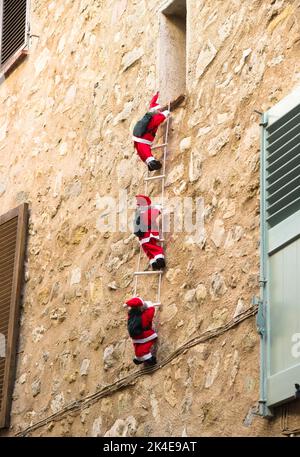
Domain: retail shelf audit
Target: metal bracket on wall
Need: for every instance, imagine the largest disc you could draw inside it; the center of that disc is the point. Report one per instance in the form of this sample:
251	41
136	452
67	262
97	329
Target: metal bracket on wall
264	411
260	319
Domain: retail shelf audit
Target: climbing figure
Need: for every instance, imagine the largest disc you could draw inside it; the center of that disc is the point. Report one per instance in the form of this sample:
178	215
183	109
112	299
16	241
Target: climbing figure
139	324
145	130
146	228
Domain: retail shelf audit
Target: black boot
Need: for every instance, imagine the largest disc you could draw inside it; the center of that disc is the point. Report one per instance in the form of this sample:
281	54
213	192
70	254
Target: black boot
136	362
150	362
154	165
161	263
155	266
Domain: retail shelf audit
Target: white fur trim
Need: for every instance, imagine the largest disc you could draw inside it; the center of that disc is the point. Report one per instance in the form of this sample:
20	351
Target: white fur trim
159	256
141	140
156	207
150	159
154	108
144	357
166	113
145	340
146	240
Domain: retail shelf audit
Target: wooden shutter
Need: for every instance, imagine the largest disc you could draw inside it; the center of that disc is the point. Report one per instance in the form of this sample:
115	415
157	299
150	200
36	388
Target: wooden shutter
281	247
12	248
13	29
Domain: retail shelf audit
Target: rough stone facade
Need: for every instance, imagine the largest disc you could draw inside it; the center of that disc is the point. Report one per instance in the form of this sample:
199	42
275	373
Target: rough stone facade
65	142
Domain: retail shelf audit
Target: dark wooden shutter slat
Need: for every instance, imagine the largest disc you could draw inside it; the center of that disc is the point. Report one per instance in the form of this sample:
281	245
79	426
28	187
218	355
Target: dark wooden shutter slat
4	327
4	311
7	293
12	249
11	48
13	28
8	268
5	283
4	316
14	16
6	262
6	252
4	308
6	280
4	297
9	265
17	24
7	236
9	223
5	305
6	239
6	273
9	230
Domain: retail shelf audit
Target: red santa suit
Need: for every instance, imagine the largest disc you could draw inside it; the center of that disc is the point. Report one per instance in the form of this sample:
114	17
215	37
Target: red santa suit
143	144
143	343
147	230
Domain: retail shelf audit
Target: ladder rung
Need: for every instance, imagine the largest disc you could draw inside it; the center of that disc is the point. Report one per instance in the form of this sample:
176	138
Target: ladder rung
155	177
160	146
139	273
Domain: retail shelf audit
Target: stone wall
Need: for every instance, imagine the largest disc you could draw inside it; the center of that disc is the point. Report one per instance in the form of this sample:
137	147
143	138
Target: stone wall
65	143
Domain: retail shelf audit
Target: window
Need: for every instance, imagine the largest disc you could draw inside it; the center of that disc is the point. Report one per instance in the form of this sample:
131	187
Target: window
280	266
14	31
12	247
172	50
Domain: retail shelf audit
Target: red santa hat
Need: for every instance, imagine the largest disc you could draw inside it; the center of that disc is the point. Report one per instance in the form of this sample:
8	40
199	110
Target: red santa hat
154	106
134	302
143	200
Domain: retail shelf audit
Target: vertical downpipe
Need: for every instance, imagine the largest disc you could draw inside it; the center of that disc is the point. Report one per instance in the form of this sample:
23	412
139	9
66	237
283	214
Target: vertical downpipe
263	271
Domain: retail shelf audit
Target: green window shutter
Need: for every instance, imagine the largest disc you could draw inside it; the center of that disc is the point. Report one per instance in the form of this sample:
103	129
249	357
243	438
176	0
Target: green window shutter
281	249
13	228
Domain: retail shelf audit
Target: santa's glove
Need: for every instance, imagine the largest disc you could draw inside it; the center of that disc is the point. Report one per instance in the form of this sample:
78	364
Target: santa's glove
158	207
149	304
166	113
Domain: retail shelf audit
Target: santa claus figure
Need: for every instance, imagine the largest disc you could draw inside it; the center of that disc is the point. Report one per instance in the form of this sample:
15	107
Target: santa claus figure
144	140
146	228
139	324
